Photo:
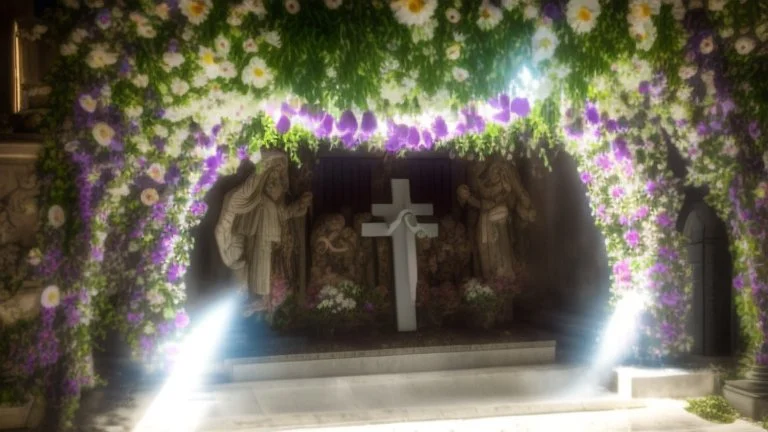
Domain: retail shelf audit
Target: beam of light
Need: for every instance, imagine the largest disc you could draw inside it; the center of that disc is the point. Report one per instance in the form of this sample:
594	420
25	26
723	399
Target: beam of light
621	330
174	408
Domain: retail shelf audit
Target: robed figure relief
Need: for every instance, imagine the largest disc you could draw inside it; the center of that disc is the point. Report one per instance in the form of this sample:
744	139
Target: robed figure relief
499	198
253	234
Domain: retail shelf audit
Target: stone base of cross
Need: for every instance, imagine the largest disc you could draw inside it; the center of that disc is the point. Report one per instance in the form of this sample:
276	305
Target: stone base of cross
401	224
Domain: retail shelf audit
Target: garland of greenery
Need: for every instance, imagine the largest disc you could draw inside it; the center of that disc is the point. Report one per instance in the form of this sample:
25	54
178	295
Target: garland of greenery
153	100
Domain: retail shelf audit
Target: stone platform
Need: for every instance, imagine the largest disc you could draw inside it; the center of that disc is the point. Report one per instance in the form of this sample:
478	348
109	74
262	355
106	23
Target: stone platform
386	361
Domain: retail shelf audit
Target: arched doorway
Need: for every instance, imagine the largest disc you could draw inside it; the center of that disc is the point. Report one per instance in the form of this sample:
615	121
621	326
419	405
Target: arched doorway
712	323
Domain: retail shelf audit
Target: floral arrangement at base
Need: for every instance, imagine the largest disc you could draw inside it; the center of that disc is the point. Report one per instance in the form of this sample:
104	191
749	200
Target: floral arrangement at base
335	307
437	303
481	304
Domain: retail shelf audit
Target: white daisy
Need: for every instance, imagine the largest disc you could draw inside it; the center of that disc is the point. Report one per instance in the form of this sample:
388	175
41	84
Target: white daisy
100	56
292	6
716	5
256	73
118	192
460	74
250	46
149	196
160	131
489	16
140	80
162	11
222	45
227	69
582	15
453	52
196	11
236	15
146	31
333	4
413	12
173	59
68	49
179	87
51	297
156	172
272	37
644	34
687	71
544	44
56	216
641	11
707	45
452	15
744	45
103	133
78	35
510	4
530	12
87	103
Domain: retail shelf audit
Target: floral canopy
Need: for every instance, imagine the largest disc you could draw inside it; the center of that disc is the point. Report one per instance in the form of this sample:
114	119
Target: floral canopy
153	100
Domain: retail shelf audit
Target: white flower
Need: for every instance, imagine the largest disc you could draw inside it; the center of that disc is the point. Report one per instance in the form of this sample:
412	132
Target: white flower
678	112
149	196
707	45
155	298
582	15
173	59
161	11
179	87
460	74
222	45
730	148
256	73
140	80
413	12
56	216
273	38
34	257
196	11
453	52
292	6
644	34
250	46
160	131
544	44
51	297
716	5
641	11
333	4
68	49
530	12
100	57
156	172
87	103
103	133
452	15
78	35
146	31
744	45
762	32
227	70
489	16
118	192
208	61
393	93
727	32
687	71
200	80
510	4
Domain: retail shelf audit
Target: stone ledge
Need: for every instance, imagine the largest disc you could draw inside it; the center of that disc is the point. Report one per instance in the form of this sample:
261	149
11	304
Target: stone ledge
664	383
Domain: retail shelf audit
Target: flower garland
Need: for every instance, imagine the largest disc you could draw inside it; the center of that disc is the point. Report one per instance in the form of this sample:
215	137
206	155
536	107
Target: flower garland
154	102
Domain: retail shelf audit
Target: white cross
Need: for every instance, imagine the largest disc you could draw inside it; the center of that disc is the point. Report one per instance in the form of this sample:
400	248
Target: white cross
401	224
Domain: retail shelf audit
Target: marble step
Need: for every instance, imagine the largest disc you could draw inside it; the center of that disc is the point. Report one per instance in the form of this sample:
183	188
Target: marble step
393	398
385	361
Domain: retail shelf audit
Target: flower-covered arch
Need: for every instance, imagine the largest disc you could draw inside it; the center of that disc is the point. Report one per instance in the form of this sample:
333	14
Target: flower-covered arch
153	100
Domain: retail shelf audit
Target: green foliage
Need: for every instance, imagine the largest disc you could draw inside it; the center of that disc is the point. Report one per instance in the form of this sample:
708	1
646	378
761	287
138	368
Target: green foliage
713	408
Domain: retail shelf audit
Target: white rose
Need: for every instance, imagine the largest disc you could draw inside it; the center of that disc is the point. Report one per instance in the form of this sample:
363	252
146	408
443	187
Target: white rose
179	87
51	297
140	80
149	196
87	103
103	133
292	6
56	216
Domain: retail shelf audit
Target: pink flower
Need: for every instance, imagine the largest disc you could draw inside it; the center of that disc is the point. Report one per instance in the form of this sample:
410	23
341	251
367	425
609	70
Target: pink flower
182	320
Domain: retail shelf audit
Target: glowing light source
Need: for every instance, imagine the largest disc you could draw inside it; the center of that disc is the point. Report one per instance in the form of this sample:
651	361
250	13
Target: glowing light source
621	329
173	409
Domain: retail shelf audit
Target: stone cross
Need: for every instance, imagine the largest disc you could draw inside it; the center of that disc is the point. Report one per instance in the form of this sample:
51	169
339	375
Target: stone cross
401	224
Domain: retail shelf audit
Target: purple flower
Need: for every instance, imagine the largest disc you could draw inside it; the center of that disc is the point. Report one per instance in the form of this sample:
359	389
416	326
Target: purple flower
641	213
104	19
617	192
644	87
520	106
347	123
738	283
603	161
427	138
632	238
71	387
325	126
368	124
440	128
622	272
181	320
611	125
620	149
659	268
164	328
413	137
592	114
670	299
198	208
552	11
754	130
664	220
134	317
283	124
175	271
146	343
651	187
586	177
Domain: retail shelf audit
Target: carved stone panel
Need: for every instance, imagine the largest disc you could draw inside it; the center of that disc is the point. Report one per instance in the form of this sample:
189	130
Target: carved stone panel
19	219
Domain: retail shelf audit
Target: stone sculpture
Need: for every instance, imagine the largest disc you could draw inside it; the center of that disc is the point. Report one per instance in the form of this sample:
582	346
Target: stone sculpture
499	197
253	233
334	252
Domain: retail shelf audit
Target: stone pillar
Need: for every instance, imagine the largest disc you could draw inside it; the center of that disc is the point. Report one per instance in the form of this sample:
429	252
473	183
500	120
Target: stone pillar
749	396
